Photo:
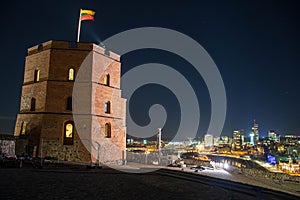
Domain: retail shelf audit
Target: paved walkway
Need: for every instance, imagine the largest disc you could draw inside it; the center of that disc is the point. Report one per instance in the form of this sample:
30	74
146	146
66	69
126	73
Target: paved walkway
234	175
103	184
106	183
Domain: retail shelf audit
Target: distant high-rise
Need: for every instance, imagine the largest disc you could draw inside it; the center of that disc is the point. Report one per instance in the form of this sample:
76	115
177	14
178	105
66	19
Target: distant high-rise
238	139
291	139
255	132
208	140
224	140
216	141
273	136
251	138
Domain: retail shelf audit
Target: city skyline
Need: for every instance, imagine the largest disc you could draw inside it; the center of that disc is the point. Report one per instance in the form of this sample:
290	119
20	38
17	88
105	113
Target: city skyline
254	45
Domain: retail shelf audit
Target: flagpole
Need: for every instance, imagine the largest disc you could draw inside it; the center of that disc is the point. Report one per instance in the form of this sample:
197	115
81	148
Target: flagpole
79	26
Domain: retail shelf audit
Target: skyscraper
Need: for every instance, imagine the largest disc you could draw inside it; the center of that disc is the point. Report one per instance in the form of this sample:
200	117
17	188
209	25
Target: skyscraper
238	139
255	132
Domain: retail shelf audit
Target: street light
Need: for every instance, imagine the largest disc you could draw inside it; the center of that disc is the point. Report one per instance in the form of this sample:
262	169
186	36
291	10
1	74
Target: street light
159	143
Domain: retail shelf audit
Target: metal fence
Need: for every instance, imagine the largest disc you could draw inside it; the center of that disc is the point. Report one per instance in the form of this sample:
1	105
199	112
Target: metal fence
150	158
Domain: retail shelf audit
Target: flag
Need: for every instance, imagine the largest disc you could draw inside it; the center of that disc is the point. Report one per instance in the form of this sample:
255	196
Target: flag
87	15
84	15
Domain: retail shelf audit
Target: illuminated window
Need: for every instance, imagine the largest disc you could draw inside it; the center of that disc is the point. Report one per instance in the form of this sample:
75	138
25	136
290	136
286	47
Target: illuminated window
23	128
32	104
107	107
71	74
106	79
69	104
69	130
36	75
107	130
68	133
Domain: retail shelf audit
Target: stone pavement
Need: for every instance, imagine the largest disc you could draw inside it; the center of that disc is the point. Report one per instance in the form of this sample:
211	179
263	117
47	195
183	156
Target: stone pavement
106	183
232	175
99	184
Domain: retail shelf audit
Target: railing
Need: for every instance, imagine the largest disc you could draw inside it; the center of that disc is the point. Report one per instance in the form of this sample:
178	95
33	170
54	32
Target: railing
148	158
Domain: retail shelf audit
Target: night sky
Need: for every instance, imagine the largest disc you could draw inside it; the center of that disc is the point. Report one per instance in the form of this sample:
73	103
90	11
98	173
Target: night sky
255	45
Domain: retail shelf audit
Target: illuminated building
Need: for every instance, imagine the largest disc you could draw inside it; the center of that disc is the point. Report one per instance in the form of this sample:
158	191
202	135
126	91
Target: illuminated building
208	140
200	147
216	141
238	139
291	139
251	138
129	141
273	136
224	140
255	132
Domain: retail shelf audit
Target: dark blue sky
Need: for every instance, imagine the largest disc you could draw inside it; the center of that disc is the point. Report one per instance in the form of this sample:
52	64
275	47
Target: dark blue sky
255	45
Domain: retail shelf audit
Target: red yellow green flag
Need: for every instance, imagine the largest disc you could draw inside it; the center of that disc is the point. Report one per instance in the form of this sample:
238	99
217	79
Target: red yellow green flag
87	15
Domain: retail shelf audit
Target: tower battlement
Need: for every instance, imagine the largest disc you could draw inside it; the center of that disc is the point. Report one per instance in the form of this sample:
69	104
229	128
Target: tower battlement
65	45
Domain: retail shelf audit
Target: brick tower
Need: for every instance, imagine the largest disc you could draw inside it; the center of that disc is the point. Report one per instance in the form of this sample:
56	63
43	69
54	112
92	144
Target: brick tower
45	126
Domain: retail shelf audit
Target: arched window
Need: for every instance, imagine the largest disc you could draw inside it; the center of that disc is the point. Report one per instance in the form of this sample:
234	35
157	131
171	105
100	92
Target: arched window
107	107
23	128
68	133
107	130
71	74
69	104
32	104
106	79
36	75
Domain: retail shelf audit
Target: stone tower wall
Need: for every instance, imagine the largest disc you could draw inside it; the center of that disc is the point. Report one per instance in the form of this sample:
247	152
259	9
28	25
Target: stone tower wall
45	126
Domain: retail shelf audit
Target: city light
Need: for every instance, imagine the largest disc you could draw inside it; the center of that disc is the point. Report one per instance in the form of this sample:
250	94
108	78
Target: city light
226	166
